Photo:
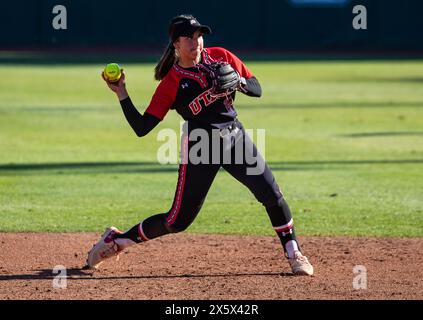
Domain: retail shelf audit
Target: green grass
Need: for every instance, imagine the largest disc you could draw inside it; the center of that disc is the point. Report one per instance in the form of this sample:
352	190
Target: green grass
345	141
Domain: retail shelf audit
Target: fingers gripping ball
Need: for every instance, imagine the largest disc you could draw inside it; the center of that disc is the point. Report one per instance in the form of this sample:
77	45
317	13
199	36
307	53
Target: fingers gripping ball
112	72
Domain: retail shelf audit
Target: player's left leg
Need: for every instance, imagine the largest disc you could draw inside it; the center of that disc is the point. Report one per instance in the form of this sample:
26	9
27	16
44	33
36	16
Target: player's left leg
261	182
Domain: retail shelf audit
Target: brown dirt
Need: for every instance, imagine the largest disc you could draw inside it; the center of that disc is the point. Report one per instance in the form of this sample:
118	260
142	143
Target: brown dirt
185	266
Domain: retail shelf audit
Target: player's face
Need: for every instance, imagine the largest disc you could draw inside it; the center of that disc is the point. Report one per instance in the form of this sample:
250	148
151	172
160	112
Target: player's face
190	47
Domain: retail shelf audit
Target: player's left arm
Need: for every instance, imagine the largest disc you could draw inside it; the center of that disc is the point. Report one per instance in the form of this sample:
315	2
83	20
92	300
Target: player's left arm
249	83
251	87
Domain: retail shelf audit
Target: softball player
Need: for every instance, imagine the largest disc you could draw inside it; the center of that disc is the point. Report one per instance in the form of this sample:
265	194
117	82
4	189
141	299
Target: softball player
200	94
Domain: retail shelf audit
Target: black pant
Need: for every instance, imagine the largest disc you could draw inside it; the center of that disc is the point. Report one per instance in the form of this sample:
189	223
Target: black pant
195	180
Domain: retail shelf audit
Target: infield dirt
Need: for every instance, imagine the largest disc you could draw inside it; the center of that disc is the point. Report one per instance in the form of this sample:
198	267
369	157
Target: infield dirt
187	266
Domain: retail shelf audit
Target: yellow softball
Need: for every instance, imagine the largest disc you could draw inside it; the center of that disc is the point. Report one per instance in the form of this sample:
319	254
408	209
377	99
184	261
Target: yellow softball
112	72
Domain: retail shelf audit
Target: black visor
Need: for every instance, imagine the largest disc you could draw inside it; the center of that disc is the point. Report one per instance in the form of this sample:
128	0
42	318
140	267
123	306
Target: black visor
185	27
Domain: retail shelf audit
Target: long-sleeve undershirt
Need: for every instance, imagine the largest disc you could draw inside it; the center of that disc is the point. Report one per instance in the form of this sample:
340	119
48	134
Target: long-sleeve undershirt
141	124
252	88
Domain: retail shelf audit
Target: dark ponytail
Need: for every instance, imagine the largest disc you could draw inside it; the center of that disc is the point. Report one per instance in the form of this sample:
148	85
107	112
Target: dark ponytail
165	63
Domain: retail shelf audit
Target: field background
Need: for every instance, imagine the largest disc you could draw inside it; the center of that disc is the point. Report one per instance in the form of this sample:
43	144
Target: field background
344	139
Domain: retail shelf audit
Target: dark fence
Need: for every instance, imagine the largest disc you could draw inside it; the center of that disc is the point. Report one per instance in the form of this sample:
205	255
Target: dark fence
246	24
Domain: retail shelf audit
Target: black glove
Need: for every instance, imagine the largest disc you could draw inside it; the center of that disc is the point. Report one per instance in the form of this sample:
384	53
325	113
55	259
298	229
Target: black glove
224	78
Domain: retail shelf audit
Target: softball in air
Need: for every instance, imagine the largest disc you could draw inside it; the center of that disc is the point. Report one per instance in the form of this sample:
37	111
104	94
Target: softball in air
112	72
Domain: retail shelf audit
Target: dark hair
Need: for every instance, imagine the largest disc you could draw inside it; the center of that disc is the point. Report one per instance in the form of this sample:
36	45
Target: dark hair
168	57
165	63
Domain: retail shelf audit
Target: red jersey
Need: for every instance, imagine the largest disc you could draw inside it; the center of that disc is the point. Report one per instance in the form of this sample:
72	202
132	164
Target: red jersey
187	90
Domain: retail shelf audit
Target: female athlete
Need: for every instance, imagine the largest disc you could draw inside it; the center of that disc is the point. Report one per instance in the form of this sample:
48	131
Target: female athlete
203	95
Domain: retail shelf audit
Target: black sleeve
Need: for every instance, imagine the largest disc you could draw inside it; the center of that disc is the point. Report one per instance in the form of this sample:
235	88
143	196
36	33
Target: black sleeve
252	88
141	124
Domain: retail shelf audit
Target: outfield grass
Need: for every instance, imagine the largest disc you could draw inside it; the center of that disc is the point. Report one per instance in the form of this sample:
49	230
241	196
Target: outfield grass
345	141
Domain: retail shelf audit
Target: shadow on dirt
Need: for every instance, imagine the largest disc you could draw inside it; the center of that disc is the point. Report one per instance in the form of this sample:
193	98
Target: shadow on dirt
84	274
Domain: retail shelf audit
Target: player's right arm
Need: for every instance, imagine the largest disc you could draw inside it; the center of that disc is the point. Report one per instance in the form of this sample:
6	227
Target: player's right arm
142	124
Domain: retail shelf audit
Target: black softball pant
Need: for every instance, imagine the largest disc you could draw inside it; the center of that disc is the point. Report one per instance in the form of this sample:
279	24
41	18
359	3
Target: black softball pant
195	181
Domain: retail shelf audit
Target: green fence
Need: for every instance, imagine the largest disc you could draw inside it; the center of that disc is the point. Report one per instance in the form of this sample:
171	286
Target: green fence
246	24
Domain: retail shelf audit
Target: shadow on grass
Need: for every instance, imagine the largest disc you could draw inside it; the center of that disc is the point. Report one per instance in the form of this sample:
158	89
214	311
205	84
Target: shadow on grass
72	165
154	167
417	80
57	110
321	105
86	168
381	134
352	104
82	274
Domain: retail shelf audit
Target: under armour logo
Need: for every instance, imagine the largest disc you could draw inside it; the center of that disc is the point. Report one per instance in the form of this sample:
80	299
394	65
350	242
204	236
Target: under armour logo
184	85
193	21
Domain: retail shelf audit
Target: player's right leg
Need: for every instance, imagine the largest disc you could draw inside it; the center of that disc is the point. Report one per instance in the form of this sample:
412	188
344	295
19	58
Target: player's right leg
104	249
193	185
194	181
